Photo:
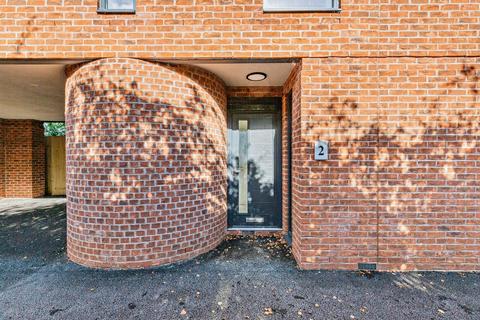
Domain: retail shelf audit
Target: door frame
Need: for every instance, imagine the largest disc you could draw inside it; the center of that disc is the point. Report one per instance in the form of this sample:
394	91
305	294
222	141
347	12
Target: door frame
289	119
267	105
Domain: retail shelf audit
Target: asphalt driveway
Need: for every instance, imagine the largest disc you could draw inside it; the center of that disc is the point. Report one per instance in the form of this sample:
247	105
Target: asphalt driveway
245	278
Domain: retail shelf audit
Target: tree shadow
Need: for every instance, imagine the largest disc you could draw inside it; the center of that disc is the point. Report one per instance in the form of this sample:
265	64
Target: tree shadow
417	163
33	230
29	30
148	160
260	196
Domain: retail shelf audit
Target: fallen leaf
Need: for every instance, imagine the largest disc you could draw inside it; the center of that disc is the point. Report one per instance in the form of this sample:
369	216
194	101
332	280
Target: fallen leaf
268	311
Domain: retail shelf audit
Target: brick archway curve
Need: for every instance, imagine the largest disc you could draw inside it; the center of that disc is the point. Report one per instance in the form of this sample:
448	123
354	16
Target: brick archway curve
146	163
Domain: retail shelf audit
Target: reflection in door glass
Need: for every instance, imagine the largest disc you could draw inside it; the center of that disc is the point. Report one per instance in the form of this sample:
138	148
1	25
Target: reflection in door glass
261	136
252	199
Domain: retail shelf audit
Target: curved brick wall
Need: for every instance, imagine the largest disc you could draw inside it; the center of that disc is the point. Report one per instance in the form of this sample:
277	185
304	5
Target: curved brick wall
146	163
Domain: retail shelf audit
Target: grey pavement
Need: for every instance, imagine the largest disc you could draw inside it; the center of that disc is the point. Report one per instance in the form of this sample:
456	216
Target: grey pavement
245	278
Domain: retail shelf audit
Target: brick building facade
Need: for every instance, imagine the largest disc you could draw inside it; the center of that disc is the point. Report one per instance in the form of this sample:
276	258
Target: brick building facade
392	86
22	159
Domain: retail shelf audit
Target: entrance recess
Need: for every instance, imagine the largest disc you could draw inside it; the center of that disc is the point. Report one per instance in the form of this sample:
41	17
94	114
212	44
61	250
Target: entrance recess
254	163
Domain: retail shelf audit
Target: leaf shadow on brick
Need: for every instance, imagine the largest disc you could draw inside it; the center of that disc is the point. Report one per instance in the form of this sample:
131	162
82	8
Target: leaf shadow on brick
145	153
26	34
418	165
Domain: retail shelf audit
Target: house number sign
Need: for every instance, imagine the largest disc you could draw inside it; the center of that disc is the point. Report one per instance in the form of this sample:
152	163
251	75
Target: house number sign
321	150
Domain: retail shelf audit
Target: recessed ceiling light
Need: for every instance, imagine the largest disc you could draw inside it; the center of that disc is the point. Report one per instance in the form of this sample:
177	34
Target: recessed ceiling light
256	76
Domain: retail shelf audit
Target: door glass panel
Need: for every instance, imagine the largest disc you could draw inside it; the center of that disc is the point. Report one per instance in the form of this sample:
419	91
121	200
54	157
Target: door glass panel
261	155
243	166
251	175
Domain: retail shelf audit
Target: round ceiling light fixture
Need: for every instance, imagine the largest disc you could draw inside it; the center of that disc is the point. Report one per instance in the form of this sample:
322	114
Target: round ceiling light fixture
256	76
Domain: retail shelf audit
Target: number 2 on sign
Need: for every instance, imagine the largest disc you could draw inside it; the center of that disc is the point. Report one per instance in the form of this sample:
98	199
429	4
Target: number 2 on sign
321	150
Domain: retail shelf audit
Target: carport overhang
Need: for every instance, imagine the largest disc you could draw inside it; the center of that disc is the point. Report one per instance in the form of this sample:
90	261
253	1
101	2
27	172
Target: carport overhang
32	91
35	89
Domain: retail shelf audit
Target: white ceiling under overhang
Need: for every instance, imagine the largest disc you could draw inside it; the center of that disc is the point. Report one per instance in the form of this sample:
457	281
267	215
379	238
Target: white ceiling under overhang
235	74
37	91
32	91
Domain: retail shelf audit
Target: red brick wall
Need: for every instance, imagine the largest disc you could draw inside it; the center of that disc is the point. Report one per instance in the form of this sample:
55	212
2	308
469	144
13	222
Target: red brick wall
38	159
23	162
293	85
337	198
238	28
400	188
429	164
393	86
146	163
2	159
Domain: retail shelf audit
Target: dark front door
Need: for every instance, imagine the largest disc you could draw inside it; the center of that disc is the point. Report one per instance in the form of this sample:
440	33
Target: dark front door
253	164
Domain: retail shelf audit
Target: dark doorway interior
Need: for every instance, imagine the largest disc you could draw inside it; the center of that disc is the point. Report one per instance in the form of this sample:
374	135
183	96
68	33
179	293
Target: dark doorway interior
254	163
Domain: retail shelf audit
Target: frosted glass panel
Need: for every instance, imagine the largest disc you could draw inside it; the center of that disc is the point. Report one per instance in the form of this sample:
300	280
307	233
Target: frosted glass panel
120	4
243	166
300	5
